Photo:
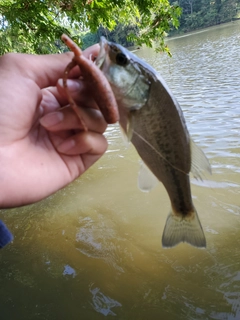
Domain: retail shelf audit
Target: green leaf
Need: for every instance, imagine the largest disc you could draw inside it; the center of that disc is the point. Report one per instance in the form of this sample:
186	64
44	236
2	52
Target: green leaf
36	26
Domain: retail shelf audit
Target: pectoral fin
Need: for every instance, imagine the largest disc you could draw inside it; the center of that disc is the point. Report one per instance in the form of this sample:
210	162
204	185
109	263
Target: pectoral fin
127	132
200	162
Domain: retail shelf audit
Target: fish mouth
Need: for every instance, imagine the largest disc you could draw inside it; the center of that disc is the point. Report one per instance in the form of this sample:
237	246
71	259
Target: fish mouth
102	53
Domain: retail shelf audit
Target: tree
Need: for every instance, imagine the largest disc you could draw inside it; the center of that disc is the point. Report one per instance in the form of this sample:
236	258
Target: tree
204	13
36	25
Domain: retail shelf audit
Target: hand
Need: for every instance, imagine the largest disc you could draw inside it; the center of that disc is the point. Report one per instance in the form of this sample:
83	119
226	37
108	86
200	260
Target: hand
41	146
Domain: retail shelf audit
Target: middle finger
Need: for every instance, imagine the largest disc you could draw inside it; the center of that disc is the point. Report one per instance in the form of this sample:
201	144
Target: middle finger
66	119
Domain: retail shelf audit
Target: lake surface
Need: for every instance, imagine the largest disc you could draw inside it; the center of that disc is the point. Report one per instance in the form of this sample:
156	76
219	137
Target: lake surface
93	250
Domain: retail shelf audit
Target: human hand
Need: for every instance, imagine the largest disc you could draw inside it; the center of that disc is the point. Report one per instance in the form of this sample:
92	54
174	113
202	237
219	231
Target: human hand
41	146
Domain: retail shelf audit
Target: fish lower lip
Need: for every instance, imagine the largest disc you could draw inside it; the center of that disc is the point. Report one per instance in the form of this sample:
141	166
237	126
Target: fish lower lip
102	53
103	41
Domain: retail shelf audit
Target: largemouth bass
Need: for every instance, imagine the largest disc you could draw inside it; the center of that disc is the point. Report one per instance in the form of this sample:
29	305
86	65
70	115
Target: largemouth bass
153	121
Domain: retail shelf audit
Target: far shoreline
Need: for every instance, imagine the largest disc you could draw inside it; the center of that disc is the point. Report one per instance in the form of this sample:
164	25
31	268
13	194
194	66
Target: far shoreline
201	30
168	38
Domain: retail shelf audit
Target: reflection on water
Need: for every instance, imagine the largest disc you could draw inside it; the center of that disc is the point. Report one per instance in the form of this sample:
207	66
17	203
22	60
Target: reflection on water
69	271
93	250
103	304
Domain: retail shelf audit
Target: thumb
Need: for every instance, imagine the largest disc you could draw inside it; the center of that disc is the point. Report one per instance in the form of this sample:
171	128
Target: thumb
44	70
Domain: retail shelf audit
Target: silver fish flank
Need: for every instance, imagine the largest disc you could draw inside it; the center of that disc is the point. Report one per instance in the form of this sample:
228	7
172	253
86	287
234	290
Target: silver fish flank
153	121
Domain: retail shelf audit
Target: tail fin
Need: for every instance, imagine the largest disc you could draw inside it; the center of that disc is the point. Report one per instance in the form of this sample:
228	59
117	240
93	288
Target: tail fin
183	229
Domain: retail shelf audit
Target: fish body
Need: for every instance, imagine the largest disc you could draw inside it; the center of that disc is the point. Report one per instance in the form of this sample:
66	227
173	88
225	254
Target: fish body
153	121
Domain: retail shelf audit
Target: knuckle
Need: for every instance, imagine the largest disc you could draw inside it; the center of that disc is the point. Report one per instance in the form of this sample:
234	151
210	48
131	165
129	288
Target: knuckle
9	57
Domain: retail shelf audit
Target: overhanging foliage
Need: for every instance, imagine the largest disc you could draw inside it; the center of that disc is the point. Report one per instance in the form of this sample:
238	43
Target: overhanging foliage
35	26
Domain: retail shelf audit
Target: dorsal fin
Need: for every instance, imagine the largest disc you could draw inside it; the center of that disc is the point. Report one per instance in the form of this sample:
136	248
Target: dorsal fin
200	162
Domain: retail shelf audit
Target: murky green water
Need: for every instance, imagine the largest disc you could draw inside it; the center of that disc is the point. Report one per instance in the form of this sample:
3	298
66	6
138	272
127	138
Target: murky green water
94	249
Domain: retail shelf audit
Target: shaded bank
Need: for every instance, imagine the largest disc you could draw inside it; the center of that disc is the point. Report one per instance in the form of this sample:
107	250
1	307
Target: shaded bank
205	13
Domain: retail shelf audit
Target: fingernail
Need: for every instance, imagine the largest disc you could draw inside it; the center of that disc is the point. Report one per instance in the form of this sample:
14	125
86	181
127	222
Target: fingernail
51	119
73	85
66	146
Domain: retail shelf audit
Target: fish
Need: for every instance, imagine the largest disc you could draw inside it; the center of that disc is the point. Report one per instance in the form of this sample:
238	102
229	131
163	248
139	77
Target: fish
153	121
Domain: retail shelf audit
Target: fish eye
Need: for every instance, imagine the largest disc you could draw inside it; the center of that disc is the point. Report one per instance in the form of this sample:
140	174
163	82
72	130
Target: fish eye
121	59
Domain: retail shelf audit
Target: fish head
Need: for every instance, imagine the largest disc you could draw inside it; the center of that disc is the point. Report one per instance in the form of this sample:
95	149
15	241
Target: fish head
128	79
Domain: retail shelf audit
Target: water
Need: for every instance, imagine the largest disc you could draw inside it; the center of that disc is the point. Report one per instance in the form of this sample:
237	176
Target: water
93	250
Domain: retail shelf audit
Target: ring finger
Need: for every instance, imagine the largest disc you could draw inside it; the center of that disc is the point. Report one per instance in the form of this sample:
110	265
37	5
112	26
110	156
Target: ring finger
66	119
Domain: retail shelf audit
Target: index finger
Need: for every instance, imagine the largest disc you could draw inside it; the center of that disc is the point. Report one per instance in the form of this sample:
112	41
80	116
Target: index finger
44	70
47	69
